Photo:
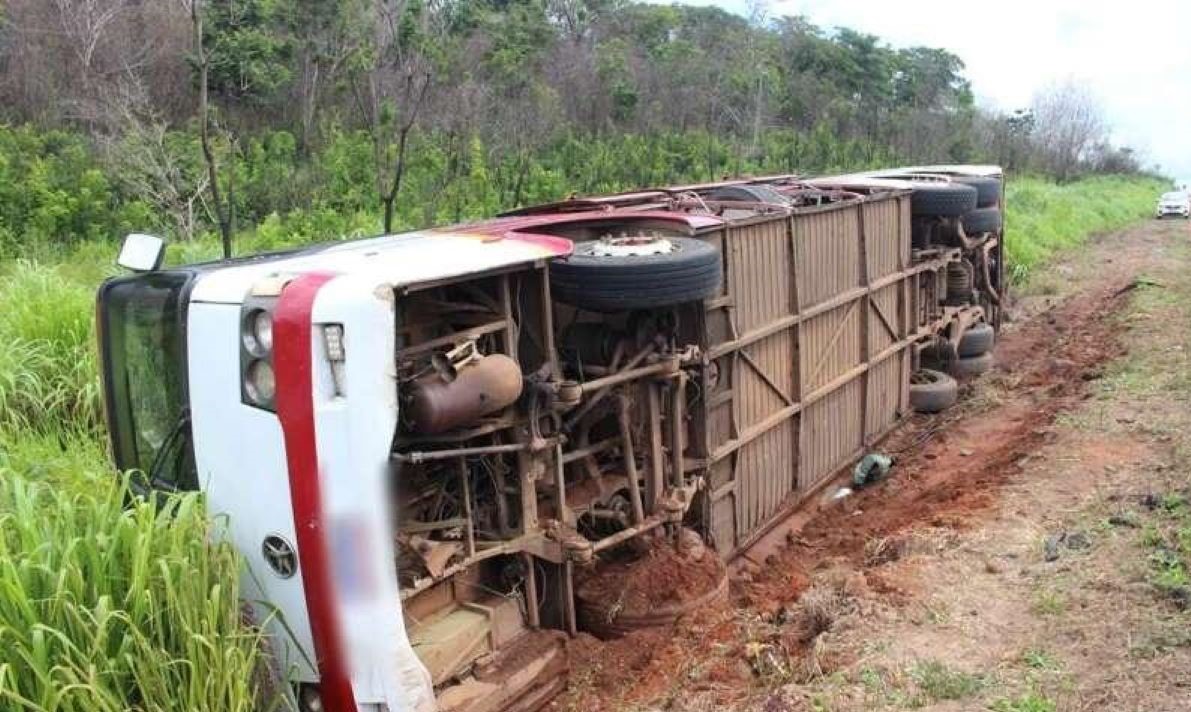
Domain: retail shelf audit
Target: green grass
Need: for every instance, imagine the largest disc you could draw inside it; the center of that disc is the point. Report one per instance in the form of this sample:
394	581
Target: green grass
935	681
1042	217
1029	702
1049	603
104	607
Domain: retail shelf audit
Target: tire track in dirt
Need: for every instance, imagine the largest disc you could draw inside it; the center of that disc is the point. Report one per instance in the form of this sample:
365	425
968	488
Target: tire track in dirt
949	469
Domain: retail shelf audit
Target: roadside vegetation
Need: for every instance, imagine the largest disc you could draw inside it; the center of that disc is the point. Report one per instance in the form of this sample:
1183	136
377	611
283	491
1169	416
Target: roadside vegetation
1044	217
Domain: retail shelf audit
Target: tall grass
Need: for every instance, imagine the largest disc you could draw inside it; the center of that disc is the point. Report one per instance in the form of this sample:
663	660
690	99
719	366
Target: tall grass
1043	217
48	378
102	607
105	607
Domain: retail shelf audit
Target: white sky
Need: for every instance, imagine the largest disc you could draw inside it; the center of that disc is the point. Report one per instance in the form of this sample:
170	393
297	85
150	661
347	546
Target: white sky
1136	56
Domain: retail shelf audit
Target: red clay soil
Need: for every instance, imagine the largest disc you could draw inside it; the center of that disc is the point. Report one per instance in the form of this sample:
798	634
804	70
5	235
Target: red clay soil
661	576
949	469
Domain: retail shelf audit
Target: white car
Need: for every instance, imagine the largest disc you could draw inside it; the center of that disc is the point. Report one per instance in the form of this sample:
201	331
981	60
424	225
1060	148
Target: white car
1174	203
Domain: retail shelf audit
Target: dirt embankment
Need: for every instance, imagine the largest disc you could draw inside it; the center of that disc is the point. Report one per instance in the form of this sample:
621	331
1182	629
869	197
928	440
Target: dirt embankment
950	469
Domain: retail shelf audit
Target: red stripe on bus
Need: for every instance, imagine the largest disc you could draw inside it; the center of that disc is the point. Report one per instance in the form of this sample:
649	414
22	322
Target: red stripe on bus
294	370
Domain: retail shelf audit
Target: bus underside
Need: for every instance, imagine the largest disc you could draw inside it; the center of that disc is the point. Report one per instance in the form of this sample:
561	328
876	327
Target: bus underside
555	436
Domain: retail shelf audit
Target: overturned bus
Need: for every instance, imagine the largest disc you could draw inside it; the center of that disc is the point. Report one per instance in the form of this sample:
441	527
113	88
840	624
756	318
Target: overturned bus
430	447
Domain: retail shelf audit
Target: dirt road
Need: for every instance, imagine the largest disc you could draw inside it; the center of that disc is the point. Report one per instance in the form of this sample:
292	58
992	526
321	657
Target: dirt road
1029	553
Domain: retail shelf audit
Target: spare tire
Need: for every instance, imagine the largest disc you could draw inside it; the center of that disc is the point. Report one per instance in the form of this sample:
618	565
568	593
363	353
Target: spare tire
981	220
978	339
988	190
945	199
636	273
971	366
932	391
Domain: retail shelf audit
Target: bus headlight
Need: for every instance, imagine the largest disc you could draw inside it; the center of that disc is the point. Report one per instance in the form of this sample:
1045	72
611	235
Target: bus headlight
262	329
259	383
257	332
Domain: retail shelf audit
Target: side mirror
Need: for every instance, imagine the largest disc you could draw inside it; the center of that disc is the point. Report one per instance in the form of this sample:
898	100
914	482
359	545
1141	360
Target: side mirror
141	253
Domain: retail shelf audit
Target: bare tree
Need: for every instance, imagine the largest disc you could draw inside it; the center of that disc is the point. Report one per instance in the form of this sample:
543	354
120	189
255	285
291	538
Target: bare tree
391	92
1069	123
223	210
137	153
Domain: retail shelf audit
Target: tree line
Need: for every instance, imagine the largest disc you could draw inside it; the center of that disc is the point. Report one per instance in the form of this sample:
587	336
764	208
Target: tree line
327	117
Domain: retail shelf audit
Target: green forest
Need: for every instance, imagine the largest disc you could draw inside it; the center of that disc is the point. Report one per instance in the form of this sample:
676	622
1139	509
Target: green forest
296	120
279	122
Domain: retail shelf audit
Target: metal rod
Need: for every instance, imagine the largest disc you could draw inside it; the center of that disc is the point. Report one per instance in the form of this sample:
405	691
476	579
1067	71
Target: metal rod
630	460
456	338
677	400
580	453
548	325
586	387
531	591
568	595
624	535
511	326
415	527
427	455
469	527
560	489
657	466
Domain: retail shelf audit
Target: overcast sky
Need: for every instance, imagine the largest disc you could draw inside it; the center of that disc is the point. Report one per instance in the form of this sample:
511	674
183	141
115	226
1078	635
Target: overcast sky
1136	56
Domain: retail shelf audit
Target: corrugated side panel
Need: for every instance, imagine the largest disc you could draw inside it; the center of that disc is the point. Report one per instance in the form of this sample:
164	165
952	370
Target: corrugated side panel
723	509
830	345
759	274
886	325
719	423
882	228
885	393
831	433
756	399
765	477
828	254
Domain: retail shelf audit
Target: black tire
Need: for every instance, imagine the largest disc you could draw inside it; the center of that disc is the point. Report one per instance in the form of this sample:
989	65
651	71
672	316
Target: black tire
922	233
971	366
932	391
945	199
982	220
978	339
692	271
988	190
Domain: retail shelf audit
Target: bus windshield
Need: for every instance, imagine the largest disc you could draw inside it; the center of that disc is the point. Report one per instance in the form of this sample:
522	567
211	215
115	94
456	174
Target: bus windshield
142	329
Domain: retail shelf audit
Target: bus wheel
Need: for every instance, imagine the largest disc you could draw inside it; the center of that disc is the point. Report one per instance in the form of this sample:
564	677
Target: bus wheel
932	391
636	272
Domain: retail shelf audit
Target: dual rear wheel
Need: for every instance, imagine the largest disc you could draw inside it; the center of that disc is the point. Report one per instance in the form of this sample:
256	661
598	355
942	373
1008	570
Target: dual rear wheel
935	387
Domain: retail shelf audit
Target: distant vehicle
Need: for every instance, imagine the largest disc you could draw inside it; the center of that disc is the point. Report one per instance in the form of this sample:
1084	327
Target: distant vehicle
1174	203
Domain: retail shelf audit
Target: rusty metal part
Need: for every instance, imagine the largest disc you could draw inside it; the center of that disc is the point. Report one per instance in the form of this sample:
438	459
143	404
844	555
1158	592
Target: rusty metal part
656	483
677	429
986	284
600	394
624	418
648	524
419	456
438	402
520	677
434	554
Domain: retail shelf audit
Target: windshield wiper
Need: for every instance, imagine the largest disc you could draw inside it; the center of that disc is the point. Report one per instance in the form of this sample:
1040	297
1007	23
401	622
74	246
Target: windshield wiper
153	478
